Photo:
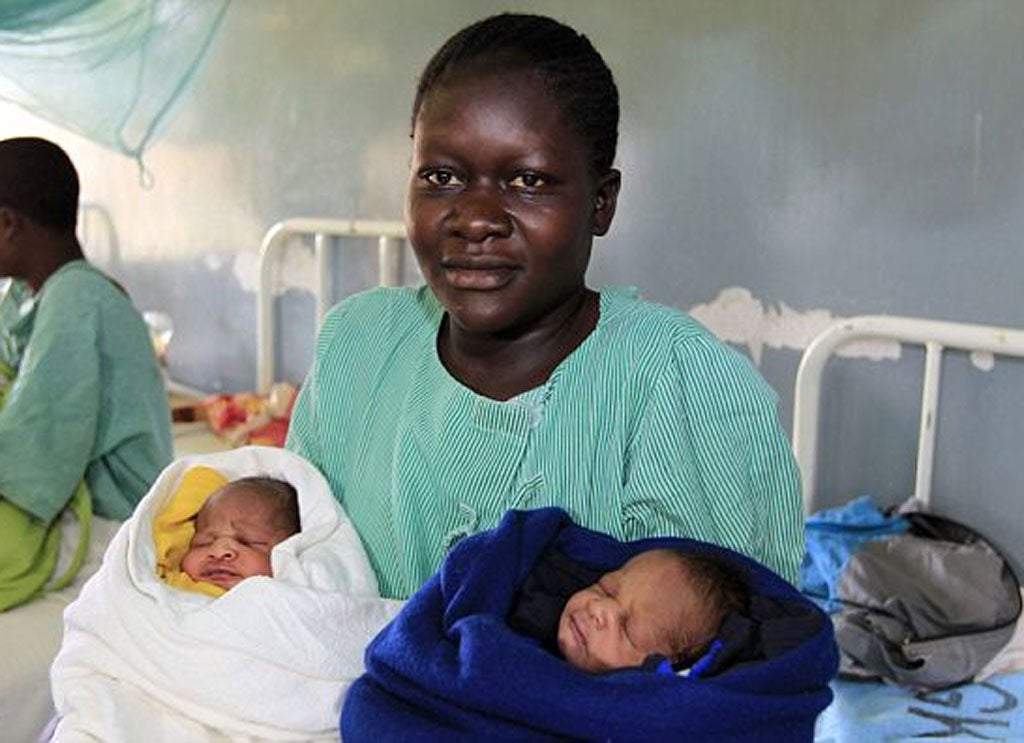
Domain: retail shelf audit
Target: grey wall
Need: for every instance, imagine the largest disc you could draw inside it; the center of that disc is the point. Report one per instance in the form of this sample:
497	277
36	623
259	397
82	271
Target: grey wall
827	157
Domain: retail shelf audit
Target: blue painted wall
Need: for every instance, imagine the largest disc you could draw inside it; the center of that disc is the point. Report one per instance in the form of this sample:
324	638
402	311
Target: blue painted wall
855	157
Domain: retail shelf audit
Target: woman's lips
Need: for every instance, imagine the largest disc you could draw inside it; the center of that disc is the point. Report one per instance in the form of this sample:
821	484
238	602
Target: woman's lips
477	276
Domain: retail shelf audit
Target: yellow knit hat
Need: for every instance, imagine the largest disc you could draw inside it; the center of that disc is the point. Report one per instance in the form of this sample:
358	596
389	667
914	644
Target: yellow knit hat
175	525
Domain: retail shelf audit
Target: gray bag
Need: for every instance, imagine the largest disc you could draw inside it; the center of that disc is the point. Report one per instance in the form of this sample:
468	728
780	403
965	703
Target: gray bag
927	609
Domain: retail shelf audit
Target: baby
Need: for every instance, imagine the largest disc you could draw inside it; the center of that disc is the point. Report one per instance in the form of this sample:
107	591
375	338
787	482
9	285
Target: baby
238	527
174	639
543	629
663	604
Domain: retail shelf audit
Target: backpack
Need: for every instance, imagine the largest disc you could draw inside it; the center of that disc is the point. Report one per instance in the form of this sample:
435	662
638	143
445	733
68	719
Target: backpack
923	601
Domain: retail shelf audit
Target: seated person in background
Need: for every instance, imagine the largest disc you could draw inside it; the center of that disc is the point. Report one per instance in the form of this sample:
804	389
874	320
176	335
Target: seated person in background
238	527
663	605
85	415
214	616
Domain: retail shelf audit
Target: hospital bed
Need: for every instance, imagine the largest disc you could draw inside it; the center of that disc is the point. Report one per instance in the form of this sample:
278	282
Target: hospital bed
34	631
873	711
862	711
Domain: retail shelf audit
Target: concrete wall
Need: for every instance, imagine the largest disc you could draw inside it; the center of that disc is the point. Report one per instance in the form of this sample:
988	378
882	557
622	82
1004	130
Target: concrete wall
785	162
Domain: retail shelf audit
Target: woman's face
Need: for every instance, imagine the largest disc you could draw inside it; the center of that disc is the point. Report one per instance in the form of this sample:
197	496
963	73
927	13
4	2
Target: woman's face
502	205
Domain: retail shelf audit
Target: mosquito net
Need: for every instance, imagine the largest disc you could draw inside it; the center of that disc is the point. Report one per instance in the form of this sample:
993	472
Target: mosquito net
110	70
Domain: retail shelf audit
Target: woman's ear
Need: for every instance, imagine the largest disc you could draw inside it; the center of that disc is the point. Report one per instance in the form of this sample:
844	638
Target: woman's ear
8	221
12	222
606	195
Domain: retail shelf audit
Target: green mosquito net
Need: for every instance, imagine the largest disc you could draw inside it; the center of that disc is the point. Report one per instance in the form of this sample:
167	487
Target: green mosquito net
110	70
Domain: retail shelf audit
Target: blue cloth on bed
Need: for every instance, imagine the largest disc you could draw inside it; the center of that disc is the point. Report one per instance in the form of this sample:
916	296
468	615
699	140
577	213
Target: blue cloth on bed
833	536
448	667
871	711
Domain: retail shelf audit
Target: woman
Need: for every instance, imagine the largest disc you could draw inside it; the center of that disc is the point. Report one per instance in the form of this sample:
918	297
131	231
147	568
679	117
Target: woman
507	383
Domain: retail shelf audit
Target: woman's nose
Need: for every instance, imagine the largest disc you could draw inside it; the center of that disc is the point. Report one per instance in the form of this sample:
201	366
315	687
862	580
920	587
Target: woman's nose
480	214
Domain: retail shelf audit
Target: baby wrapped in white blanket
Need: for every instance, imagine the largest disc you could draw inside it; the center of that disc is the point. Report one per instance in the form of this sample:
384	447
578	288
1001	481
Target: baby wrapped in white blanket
270	659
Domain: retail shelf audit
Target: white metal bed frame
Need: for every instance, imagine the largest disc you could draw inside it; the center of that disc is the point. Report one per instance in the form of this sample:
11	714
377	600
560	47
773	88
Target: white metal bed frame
934	335
325	233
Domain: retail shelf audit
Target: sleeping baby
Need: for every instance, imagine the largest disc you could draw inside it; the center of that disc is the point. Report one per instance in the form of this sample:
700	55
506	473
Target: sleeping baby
237	529
661	610
540	630
235	603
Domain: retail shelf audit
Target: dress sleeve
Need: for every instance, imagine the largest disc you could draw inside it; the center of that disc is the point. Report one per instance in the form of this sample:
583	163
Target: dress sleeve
302	437
710	461
48	422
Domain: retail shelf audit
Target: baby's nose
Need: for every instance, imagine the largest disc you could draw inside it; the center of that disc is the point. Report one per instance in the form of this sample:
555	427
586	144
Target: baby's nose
601	613
224	549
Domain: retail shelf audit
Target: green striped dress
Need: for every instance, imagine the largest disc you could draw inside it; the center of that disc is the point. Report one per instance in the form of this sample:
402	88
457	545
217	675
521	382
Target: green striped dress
651	427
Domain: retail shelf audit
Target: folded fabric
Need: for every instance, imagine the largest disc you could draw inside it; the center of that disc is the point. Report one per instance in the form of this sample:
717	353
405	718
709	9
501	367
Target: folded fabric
916	599
29	547
174	526
270	659
449	668
833	537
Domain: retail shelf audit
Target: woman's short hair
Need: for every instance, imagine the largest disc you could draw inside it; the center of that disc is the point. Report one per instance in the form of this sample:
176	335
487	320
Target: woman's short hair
38	179
572	69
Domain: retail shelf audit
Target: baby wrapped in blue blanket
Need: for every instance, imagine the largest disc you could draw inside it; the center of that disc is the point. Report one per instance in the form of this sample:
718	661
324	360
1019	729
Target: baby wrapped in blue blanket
470	656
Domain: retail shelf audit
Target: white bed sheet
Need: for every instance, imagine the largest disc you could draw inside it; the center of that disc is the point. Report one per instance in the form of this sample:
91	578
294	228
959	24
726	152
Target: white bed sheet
30	636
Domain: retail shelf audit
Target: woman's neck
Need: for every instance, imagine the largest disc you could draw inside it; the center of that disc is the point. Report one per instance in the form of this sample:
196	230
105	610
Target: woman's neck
501	366
50	256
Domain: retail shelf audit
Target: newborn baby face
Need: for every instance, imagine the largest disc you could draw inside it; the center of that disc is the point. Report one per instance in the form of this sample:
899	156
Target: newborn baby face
235	533
629	614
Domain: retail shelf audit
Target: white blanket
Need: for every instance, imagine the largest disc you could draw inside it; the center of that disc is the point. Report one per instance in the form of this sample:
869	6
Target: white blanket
269	660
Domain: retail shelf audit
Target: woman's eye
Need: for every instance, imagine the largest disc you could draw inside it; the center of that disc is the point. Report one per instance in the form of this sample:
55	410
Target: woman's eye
528	181
439	177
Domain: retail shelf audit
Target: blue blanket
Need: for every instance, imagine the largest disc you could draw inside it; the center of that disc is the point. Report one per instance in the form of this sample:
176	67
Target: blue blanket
448	668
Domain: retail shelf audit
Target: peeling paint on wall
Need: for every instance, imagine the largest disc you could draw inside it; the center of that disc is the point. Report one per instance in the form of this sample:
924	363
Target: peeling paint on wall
983	360
737	316
296	269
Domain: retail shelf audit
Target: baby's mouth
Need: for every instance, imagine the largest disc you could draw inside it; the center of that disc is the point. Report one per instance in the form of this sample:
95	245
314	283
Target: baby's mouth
577	632
219	575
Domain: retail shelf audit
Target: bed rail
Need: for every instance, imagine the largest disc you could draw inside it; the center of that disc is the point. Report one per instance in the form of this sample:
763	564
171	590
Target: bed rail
389	237
934	335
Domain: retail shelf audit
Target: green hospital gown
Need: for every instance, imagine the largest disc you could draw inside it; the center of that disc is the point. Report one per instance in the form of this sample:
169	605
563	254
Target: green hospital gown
88	399
651	427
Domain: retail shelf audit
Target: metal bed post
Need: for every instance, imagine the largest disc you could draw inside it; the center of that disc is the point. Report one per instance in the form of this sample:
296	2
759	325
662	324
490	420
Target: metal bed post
325	234
323	276
934	335
390	261
929	422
